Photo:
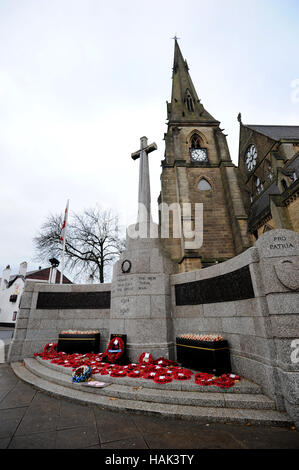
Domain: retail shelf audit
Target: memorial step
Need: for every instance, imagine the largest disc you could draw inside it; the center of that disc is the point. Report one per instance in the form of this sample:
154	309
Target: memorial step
182	411
245	386
157	395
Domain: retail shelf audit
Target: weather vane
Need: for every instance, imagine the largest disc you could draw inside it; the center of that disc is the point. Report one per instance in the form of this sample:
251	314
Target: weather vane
175	37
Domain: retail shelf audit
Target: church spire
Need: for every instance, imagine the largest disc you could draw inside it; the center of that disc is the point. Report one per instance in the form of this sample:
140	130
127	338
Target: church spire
185	105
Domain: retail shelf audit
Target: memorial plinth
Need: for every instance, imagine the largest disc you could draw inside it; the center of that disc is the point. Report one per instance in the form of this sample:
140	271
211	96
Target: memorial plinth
140	299
140	294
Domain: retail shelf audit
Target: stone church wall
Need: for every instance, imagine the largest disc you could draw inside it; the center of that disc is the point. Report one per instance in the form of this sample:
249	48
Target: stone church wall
241	322
293	211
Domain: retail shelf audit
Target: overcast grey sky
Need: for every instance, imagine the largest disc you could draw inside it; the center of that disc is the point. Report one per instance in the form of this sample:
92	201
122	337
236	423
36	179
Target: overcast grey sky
82	80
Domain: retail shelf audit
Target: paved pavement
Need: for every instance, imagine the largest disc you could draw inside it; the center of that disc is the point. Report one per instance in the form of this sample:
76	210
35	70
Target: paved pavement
30	419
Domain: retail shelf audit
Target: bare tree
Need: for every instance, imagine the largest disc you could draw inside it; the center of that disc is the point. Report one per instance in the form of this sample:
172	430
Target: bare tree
92	242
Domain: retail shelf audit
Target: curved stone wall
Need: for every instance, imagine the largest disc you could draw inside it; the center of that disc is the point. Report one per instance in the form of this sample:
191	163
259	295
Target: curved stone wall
262	330
48	309
255	307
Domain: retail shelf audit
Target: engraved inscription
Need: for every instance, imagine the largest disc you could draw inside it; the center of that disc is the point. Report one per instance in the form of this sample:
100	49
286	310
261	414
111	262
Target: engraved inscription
73	300
145	282
236	285
280	243
134	285
125	306
123	286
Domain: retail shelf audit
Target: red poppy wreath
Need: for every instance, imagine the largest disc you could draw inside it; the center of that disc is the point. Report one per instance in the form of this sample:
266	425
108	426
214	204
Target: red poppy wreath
181	375
118	372
115	350
49	350
145	358
162	379
163	362
135	374
204	379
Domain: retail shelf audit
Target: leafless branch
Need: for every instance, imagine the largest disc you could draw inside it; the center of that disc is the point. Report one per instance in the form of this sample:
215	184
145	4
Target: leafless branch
92	244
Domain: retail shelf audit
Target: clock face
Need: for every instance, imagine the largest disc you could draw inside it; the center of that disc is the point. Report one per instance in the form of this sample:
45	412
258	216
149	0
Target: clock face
251	158
198	155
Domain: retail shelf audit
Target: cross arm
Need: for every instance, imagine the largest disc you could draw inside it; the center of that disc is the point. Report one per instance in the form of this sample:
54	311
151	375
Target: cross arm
148	149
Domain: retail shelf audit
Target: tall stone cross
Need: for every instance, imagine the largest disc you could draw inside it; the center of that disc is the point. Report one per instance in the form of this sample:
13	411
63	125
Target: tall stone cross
144	191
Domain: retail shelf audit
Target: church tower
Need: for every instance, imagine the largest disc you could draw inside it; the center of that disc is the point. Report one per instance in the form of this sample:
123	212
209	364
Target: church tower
198	169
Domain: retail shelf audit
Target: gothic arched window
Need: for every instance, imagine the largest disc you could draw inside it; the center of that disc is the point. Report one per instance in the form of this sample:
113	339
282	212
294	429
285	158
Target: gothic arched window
269	171
189	102
195	141
198	154
284	184
259	185
204	185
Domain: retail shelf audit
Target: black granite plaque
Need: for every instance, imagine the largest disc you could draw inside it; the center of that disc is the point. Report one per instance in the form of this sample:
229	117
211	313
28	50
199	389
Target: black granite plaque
226	288
73	300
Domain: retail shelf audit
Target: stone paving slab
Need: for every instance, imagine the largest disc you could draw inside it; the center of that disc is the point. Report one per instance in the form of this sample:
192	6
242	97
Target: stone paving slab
10	419
41	440
185	440
21	395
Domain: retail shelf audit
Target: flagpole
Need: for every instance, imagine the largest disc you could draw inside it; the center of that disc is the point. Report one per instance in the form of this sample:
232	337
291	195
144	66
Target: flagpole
64	238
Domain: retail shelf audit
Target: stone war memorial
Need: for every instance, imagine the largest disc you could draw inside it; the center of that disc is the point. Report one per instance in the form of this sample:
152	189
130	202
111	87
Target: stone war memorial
200	320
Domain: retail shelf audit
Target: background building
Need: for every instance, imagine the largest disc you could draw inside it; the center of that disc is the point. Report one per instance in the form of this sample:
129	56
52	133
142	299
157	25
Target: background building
269	165
239	203
12	286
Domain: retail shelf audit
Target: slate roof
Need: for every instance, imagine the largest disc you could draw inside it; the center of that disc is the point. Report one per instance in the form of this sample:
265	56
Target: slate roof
43	275
277	132
293	164
38	275
262	205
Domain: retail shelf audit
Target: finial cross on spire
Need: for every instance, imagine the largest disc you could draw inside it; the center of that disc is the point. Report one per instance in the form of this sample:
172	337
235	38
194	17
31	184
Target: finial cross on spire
175	37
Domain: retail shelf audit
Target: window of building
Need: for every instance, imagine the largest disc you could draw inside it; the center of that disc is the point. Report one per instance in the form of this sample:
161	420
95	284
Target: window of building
259	185
284	184
204	185
195	142
197	153
270	174
189	102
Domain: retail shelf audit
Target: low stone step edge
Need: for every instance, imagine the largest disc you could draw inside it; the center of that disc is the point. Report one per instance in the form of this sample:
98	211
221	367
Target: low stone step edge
200	414
248	387
221	400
